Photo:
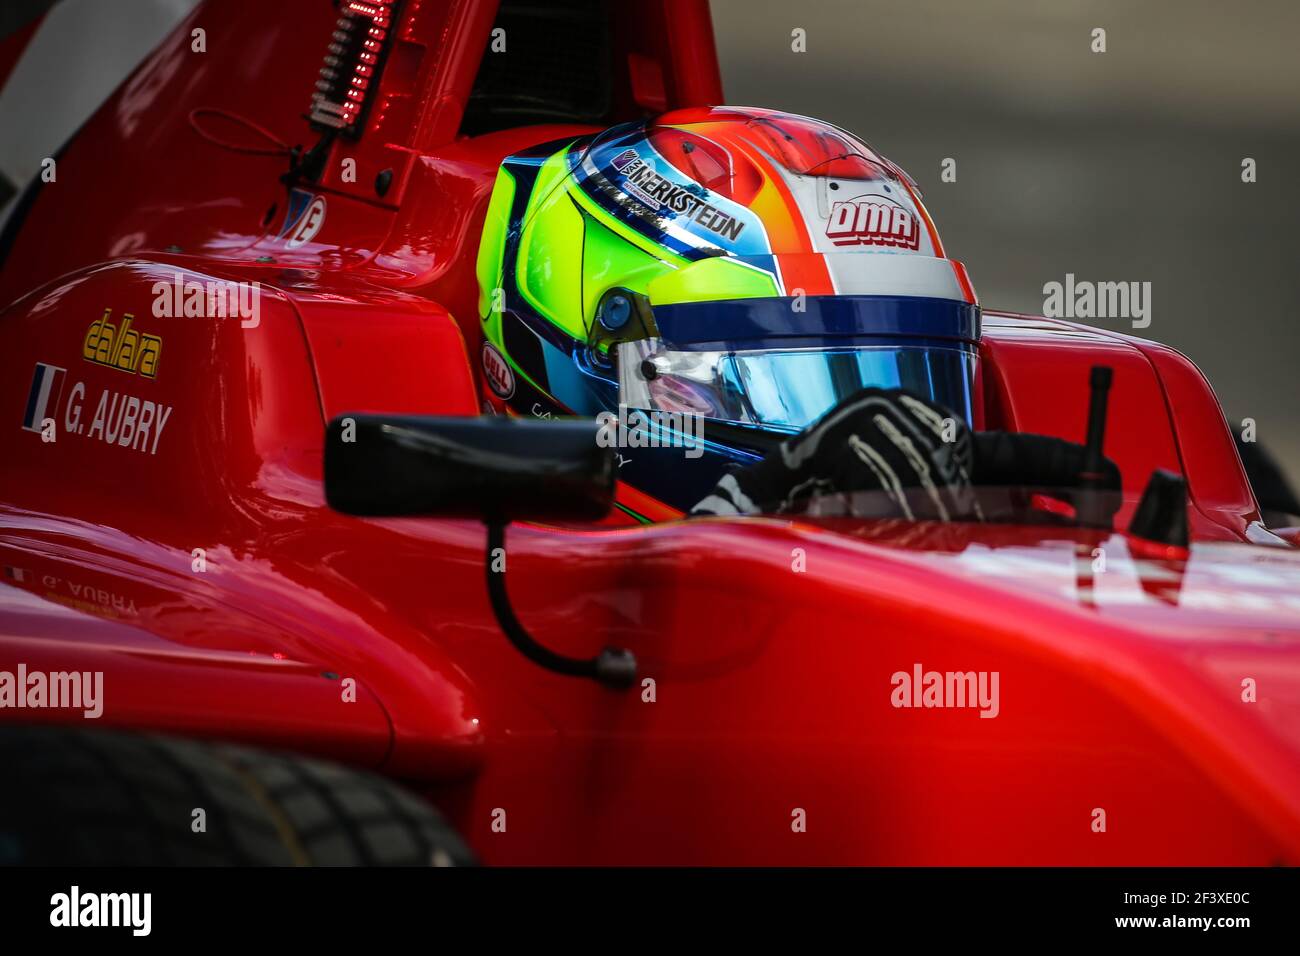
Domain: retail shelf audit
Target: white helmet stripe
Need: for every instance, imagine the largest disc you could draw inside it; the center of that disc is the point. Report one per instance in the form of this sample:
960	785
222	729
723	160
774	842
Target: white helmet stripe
883	273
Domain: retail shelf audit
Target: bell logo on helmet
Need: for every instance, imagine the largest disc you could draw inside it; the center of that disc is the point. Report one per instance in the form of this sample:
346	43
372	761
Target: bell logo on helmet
500	377
873	221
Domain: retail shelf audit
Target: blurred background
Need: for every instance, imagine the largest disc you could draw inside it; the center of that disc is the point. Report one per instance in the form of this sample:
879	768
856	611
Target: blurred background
1117	166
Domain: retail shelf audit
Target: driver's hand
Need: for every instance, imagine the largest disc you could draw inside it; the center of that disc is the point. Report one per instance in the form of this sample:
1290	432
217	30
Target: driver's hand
916	454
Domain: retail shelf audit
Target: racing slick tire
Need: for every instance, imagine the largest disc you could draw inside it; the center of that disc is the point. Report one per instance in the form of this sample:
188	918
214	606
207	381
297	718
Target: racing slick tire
75	797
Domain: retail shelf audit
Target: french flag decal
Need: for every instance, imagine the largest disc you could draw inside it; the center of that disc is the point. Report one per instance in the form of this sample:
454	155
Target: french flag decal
43	399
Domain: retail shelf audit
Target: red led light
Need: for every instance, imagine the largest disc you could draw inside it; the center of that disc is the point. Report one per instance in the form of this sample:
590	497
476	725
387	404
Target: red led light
374	9
351	64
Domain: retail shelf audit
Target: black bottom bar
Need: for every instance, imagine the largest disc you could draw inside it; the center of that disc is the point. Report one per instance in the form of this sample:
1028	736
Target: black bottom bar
554	906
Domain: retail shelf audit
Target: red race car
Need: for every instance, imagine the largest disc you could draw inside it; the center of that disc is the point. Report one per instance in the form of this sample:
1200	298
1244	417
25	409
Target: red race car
289	342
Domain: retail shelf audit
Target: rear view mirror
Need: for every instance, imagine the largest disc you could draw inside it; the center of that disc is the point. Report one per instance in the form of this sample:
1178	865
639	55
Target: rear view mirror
496	469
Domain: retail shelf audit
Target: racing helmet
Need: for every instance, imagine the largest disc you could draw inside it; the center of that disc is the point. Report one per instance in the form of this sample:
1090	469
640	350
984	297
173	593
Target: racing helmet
719	278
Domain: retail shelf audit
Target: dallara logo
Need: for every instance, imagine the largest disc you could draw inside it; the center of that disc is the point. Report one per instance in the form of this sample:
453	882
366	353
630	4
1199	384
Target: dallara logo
122	348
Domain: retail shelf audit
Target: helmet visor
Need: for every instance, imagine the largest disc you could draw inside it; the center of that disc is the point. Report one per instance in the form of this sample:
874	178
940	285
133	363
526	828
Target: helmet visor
788	388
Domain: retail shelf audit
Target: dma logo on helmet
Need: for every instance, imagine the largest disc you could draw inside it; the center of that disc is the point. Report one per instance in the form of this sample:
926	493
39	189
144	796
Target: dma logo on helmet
873	220
743	267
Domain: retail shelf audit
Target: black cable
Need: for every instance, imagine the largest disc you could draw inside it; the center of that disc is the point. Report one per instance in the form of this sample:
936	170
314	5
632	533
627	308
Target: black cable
613	666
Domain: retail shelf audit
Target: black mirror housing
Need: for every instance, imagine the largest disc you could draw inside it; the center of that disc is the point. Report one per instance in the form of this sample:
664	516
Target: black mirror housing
493	468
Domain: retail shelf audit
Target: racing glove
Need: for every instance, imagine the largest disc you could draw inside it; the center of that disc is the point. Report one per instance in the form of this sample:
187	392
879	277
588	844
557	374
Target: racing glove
918	455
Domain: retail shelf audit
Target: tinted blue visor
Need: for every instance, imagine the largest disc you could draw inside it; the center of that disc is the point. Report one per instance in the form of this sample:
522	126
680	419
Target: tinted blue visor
762	363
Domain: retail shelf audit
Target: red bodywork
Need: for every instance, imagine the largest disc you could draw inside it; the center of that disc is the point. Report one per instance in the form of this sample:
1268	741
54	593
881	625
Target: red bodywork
1120	690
